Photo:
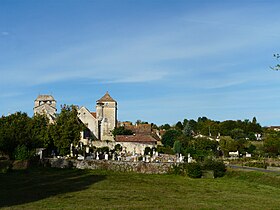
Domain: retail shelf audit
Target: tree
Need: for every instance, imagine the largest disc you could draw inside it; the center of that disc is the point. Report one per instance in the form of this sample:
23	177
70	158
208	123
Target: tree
39	132
187	131
237	133
254	120
121	131
177	147
272	144
179	126
165	127
14	131
169	137
227	144
66	129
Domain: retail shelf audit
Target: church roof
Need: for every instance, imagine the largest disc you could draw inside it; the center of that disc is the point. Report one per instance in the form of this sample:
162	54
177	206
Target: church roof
93	114
106	98
45	98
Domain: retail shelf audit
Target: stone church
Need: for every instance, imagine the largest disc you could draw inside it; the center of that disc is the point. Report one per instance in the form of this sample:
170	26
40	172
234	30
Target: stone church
103	121
45	104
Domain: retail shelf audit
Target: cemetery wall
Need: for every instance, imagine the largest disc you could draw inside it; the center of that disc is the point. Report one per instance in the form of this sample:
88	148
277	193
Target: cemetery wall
138	167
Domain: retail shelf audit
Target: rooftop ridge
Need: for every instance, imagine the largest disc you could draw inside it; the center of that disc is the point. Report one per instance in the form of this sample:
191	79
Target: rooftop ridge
106	98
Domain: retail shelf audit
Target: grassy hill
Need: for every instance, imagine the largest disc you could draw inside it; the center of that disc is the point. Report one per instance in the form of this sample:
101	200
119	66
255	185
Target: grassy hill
84	189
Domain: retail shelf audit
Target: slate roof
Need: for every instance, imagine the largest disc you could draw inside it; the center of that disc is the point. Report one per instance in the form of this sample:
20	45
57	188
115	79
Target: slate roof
136	138
106	98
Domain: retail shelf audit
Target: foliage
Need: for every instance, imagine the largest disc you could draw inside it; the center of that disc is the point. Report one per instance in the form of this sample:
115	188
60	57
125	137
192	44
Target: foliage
188	129
217	166
121	131
22	153
118	148
179	169
5	166
165	127
169	137
227	144
66	129
272	143
20	130
257	164
194	170
203	147
179	126
147	151
177	147
165	150
237	133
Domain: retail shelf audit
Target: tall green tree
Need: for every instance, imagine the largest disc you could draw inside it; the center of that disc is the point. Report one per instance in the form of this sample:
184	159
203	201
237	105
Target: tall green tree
227	144
39	131
169	137
66	129
188	130
177	147
179	126
272	143
14	131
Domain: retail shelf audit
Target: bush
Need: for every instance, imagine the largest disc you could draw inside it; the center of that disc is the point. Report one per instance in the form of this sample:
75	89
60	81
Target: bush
194	170
257	164
5	166
165	150
217	166
179	169
22	153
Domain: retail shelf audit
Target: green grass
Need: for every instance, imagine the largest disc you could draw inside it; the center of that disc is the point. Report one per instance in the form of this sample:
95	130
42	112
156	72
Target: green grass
84	189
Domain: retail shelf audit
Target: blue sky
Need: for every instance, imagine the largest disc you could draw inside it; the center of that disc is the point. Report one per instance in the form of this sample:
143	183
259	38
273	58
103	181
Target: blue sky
163	61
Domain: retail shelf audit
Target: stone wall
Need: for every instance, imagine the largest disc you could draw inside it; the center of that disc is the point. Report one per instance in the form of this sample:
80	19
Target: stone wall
138	167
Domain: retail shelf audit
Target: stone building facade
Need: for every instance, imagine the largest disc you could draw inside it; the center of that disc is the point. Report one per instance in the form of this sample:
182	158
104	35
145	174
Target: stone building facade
102	122
45	105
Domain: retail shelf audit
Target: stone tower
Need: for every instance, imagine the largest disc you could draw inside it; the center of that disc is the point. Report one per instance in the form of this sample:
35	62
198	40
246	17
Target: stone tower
45	104
106	114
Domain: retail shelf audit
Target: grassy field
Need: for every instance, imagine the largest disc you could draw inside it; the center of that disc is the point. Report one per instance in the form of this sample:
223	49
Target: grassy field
83	189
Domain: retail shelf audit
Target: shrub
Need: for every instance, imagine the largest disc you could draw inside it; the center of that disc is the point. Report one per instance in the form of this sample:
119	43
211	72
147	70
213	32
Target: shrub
165	150
217	166
22	153
257	164
5	166
179	169
194	170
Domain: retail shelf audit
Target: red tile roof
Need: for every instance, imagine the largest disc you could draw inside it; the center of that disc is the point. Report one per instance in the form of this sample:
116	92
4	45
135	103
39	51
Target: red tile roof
136	138
93	114
106	98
